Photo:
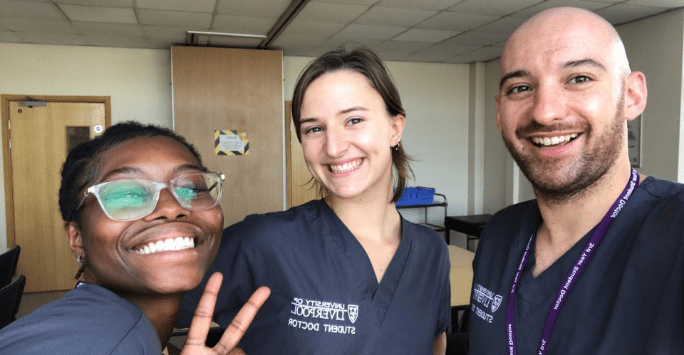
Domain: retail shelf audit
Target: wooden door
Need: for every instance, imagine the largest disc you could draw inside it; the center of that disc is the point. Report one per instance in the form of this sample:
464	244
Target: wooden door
39	139
300	188
240	90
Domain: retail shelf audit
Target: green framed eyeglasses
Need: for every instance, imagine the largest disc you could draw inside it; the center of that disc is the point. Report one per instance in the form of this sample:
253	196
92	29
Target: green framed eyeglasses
128	199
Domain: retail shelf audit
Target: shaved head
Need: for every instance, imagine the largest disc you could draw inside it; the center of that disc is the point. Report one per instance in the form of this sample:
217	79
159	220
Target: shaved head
554	25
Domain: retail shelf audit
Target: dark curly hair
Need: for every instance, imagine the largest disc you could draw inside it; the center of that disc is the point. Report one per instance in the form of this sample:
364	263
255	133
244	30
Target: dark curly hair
82	165
363	61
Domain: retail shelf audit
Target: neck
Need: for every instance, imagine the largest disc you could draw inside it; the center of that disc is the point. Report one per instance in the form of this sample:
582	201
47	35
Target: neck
374	218
161	310
565	223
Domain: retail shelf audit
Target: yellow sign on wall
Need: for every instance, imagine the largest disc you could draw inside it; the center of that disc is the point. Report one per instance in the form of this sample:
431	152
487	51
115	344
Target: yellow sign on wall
229	142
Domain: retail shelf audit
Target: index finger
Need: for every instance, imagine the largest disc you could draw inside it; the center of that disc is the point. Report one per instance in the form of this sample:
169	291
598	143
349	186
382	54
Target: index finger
201	321
238	326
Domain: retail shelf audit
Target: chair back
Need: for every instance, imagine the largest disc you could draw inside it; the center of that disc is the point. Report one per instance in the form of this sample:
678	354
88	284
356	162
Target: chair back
10	298
8	265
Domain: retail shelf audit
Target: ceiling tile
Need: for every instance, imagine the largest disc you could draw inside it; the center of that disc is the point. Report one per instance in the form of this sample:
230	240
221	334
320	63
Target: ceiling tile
243	24
52	38
178	5
353	2
101	28
427	58
158	43
349	44
168	33
7	36
423	35
656	3
388	16
328	12
37	26
619	13
535	9
423	4
194	21
99	14
369	32
326	29
492	7
298	40
115	41
401	46
253	8
298	51
106	3
453	21
23	9
476	39
480	55
450	48
506	25
238	42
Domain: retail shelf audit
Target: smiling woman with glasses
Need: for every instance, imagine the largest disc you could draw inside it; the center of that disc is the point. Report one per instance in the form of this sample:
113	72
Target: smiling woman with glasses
142	217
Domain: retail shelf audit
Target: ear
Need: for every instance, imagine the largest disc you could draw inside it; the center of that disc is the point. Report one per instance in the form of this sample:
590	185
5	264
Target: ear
398	123
74	237
636	94
497	100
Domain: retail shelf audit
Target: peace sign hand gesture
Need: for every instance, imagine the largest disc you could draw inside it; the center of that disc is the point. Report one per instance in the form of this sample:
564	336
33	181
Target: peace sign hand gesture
201	321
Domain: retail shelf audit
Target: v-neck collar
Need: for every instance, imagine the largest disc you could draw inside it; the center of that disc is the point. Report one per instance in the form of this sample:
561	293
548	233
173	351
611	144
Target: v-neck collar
380	294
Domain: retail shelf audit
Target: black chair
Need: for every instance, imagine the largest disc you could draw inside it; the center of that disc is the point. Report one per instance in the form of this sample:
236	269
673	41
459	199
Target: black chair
8	265
471	226
10	298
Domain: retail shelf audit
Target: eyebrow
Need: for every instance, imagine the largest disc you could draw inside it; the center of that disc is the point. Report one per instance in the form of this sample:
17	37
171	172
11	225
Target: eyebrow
130	170
570	64
515	74
341	112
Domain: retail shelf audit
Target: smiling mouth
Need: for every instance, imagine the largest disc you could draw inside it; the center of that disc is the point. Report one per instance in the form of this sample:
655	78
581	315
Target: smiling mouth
170	244
346	167
548	142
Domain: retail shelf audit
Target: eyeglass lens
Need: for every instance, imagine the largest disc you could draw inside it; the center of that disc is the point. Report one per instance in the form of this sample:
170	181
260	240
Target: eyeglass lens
136	198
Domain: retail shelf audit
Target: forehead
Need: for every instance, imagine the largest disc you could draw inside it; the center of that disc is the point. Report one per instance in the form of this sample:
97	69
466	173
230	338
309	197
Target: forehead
340	88
152	153
551	44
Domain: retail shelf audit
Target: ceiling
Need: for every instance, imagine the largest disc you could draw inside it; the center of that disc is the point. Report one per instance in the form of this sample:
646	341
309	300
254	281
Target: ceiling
441	31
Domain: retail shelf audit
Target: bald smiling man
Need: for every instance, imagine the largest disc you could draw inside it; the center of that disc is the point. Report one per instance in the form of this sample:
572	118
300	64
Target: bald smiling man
595	264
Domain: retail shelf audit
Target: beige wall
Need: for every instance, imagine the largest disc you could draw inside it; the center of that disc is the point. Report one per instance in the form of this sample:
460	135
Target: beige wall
654	46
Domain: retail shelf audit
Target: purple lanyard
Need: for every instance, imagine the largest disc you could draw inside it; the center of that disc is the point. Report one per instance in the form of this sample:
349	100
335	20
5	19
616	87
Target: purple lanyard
572	276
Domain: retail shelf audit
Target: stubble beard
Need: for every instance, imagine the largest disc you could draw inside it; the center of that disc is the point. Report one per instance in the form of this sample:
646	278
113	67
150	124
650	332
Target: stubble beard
579	174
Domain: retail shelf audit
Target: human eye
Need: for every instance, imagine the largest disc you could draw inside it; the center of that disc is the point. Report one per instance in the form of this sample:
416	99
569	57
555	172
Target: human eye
123	193
517	89
353	121
579	79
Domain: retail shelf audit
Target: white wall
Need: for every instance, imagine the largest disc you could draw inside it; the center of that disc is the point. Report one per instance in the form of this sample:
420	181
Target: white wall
138	81
654	46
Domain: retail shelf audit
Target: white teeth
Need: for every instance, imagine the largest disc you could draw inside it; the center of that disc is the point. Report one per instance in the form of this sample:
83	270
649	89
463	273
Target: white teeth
178	243
546	141
336	169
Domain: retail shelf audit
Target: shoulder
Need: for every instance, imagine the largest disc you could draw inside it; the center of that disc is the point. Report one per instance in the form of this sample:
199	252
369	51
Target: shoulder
269	230
429	241
70	324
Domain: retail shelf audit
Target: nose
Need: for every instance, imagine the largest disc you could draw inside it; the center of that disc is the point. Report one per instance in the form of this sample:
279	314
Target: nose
335	142
167	207
549	104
